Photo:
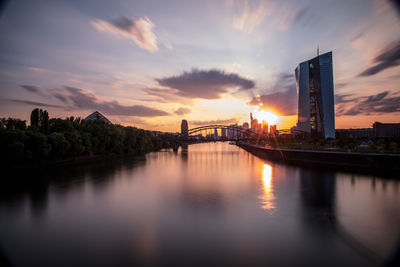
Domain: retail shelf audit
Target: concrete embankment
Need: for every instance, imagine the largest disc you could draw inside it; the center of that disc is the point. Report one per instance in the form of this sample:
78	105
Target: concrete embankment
359	162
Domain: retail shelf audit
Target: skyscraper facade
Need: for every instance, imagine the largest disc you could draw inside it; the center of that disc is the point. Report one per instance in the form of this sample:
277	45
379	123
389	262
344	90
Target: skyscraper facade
184	128
314	82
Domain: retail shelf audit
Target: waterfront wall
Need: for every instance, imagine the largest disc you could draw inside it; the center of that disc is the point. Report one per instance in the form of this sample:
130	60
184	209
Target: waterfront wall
342	160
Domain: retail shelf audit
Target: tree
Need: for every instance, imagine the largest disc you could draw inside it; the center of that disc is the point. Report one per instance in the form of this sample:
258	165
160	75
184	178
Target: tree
35	118
59	145
44	121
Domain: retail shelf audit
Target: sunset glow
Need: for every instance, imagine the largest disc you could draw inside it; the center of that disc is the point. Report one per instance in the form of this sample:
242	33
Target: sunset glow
266	115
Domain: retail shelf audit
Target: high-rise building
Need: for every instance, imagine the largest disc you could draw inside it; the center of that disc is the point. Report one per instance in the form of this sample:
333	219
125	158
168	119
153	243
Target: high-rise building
223	132
265	127
184	128
253	123
272	129
316	112
245	126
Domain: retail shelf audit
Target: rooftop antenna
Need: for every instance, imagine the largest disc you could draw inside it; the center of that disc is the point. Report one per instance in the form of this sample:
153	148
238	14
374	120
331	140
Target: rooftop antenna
317	50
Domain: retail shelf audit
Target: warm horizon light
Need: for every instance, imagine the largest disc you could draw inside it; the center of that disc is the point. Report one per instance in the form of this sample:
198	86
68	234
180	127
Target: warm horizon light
266	115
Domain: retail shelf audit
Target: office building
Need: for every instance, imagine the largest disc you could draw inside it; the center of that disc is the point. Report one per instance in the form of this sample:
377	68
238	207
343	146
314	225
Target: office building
253	123
272	129
386	129
223	132
314	82
184	128
265	127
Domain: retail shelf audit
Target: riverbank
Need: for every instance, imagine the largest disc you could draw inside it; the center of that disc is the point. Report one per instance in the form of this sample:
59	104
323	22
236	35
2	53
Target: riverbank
77	161
350	161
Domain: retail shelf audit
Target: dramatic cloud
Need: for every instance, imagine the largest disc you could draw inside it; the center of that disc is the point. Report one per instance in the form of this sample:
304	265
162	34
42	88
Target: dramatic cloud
140	31
182	111
58	93
32	88
165	95
214	122
384	102
34	103
339	98
207	84
389	57
251	16
86	100
283	98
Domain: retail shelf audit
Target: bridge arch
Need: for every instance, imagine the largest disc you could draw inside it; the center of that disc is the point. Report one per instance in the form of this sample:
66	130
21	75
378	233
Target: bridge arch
246	133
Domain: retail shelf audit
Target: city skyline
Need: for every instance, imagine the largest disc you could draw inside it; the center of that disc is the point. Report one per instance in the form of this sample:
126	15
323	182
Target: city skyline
138	64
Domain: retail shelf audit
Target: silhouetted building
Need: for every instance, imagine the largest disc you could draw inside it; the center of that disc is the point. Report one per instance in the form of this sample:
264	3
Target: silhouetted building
314	81
215	133
245	126
272	129
223	132
184	128
386	129
232	131
265	127
354	133
253	123
97	116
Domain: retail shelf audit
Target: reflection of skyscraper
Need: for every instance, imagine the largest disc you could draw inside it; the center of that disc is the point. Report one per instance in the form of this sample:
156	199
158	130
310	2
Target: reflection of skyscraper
184	128
318	189
314	81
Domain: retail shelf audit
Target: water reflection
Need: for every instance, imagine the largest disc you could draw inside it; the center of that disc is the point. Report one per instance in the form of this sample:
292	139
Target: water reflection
318	191
205	205
268	188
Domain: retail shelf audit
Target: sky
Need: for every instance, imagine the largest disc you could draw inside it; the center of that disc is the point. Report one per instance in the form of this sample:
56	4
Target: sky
152	63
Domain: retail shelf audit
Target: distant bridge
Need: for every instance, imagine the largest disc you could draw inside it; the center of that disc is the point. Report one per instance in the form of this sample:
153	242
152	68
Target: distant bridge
240	132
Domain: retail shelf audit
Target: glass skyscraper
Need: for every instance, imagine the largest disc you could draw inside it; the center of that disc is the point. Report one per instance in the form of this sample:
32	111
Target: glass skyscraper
316	111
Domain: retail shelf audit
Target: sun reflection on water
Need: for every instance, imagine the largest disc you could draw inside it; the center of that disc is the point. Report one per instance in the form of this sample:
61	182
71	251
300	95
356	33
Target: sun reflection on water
268	194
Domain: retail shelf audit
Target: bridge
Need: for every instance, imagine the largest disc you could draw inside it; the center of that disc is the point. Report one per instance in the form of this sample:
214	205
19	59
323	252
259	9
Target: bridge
238	132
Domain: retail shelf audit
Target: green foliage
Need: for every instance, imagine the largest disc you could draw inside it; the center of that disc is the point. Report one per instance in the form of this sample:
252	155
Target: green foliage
58	139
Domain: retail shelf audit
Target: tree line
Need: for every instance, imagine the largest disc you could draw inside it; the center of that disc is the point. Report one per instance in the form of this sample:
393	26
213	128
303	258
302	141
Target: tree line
46	140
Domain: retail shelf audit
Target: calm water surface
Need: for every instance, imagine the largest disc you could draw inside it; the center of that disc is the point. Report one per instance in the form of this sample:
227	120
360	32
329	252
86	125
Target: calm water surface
213	204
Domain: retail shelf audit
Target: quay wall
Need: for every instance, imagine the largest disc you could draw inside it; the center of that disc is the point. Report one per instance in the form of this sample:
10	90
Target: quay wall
331	159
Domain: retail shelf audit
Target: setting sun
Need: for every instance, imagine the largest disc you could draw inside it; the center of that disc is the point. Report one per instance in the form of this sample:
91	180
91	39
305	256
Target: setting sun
266	115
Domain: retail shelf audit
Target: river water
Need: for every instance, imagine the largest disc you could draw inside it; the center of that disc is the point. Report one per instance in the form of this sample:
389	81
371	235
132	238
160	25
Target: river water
211	204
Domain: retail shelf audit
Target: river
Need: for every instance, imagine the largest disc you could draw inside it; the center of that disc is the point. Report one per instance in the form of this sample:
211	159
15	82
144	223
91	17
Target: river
212	204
